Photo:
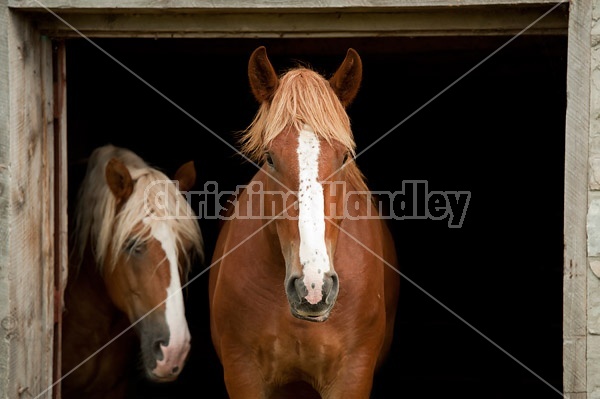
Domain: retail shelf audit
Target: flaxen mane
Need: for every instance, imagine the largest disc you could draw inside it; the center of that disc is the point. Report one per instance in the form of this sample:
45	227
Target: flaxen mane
302	97
98	224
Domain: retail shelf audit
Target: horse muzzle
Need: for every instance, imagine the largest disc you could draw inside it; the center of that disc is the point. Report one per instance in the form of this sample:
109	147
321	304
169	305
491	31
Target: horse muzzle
172	362
305	307
164	352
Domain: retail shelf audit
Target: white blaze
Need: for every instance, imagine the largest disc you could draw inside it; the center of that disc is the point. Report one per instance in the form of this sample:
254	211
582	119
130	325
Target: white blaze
179	334
311	218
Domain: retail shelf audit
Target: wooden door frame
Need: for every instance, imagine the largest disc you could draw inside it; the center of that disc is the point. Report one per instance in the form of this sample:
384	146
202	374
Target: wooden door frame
33	192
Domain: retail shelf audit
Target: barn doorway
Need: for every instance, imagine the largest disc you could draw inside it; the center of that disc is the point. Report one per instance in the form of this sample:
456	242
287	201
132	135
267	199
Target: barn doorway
498	134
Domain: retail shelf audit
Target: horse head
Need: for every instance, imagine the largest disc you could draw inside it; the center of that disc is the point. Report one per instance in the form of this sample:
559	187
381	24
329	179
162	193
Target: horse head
302	135
144	274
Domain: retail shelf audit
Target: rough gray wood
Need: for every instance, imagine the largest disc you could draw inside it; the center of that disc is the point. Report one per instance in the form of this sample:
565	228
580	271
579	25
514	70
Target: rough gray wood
26	222
455	22
576	198
264	4
61	203
4	201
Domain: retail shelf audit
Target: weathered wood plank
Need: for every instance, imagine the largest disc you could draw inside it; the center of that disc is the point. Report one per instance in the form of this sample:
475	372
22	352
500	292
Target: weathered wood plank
47	213
574	355
452	21
5	318
260	4
578	395
60	214
27	322
576	199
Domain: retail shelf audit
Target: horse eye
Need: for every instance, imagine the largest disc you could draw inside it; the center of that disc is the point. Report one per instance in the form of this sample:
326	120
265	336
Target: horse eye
346	156
269	159
134	247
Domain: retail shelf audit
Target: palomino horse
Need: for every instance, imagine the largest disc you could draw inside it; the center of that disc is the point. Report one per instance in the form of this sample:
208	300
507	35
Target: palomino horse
135	238
302	299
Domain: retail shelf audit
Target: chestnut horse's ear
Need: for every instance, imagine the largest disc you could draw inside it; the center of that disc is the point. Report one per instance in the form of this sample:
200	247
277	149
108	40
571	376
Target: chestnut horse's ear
186	176
346	80
118	179
262	76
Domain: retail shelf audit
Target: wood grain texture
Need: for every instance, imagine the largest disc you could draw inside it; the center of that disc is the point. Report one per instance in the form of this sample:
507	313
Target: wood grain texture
60	205
27	302
576	199
261	4
316	23
5	319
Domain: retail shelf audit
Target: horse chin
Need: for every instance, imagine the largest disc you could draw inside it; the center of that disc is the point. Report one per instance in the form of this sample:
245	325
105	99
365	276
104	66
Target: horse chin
310	316
156	378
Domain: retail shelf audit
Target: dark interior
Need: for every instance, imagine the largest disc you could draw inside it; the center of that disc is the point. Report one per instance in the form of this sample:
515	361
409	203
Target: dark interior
497	133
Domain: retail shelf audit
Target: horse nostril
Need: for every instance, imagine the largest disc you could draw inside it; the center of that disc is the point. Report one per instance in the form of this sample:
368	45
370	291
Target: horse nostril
295	289
334	282
157	349
300	288
332	287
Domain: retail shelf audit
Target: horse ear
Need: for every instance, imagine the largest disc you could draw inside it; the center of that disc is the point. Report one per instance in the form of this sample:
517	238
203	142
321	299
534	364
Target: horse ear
346	80
118	179
262	76
186	176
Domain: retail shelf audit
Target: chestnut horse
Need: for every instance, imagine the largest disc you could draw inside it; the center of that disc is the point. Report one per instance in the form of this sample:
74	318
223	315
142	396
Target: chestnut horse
135	237
303	291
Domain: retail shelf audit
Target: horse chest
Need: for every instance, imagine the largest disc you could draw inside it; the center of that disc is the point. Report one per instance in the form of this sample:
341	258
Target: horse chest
289	357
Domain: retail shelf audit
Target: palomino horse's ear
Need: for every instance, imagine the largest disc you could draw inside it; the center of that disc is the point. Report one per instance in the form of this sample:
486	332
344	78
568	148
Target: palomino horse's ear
263	79
118	179
186	176
346	80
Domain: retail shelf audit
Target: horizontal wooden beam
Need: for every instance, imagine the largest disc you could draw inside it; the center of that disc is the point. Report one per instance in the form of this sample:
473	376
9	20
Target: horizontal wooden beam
270	5
433	22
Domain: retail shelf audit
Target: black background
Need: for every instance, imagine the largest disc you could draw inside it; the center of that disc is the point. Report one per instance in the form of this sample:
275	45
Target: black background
498	133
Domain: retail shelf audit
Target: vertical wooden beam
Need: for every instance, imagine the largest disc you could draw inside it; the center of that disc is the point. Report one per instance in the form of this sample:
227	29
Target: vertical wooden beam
576	201
5	318
47	213
26	209
60	201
